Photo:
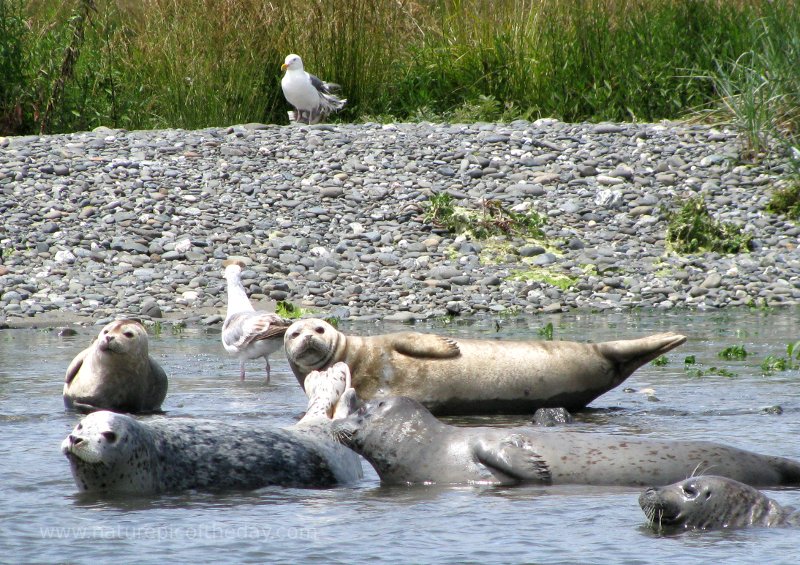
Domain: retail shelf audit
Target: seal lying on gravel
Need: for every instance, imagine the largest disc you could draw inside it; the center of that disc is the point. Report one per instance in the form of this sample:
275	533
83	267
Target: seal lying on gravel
710	502
470	376
115	453
406	444
116	373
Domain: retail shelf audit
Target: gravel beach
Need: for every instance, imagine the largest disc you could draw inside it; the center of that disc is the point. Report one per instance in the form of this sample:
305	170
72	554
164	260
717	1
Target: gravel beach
110	222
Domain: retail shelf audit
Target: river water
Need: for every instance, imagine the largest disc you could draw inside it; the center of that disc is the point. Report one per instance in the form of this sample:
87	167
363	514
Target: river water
45	520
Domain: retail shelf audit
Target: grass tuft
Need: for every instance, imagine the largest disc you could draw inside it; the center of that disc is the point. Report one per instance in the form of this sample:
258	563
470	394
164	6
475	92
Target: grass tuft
692	229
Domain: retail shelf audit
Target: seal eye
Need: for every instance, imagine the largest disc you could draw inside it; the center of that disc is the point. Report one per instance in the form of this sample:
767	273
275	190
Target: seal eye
319	330
128	334
110	436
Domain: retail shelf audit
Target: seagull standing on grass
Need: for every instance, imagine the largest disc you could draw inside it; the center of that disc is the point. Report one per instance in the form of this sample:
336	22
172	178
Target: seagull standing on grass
311	97
248	334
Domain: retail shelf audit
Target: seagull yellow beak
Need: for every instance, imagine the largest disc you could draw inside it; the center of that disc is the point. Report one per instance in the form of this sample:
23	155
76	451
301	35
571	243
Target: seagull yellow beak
284	67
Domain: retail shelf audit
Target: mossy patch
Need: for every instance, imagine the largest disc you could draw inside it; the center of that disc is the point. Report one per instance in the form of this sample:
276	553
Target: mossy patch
547	276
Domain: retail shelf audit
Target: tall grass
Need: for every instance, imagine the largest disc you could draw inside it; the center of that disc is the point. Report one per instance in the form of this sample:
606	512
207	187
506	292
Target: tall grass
197	63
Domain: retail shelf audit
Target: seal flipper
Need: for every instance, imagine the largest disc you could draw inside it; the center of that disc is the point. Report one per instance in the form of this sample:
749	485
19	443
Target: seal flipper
75	366
630	354
513	457
425	346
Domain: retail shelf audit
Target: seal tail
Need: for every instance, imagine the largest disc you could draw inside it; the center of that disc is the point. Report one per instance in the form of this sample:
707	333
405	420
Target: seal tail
630	354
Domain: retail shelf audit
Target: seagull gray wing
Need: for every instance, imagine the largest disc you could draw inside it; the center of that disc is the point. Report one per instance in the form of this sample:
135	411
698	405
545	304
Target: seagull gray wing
322	86
244	328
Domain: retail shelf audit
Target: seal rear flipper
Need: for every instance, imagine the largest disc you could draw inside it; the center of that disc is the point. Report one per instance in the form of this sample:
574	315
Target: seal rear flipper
630	354
425	346
513	456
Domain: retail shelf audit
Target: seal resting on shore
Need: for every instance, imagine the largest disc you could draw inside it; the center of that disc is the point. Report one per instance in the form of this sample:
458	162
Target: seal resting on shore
116	373
710	502
406	444
470	376
115	453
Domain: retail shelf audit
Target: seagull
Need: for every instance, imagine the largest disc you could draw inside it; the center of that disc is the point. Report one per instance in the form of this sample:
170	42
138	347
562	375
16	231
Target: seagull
246	333
311	97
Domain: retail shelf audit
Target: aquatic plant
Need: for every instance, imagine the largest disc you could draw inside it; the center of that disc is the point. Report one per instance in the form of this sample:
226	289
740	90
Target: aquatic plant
660	361
547	331
733	352
772	363
722	372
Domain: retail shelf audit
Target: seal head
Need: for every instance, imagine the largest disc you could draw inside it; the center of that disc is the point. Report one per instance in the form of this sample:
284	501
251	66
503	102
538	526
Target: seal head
708	502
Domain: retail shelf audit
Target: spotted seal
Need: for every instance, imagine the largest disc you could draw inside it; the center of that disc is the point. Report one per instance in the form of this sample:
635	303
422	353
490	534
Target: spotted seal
707	502
116	373
406	444
117	454
469	376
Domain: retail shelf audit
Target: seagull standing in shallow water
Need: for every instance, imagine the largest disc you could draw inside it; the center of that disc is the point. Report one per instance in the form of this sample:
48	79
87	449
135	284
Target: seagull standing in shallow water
312	98
248	334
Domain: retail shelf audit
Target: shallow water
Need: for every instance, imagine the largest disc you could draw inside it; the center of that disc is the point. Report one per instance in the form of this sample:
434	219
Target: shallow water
44	520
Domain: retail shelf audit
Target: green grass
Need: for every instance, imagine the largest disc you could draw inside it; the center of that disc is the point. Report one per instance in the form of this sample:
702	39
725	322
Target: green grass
199	63
490	219
692	229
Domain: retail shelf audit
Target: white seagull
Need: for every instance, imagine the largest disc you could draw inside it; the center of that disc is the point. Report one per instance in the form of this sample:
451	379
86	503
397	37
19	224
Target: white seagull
312	98
247	334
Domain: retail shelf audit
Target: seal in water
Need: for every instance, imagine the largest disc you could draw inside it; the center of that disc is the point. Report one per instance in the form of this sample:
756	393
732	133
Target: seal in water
469	376
115	453
406	444
116	373
710	502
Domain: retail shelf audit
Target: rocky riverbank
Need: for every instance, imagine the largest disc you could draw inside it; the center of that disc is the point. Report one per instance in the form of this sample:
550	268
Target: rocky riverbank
110	222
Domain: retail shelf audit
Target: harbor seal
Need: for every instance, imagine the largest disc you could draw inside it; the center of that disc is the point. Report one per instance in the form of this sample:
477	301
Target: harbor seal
710	502
117	454
469	376
116	373
406	444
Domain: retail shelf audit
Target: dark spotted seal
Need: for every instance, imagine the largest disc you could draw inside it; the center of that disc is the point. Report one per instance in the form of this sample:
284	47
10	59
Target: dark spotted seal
115	453
469	376
710	502
407	444
116	373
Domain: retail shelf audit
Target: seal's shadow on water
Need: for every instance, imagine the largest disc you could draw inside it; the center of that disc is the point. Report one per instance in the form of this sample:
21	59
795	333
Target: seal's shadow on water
229	499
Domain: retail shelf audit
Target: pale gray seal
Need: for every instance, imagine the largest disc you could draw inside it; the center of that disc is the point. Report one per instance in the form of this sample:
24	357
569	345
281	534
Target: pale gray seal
469	376
406	444
115	453
709	502
246	332
116	372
